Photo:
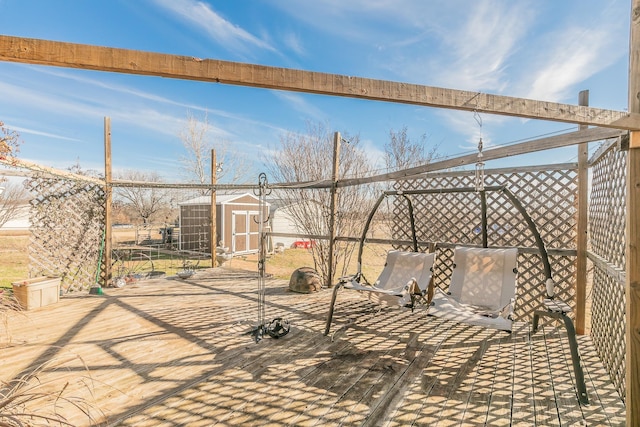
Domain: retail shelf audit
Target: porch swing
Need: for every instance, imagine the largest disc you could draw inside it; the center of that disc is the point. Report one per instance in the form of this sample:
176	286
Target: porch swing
482	287
408	275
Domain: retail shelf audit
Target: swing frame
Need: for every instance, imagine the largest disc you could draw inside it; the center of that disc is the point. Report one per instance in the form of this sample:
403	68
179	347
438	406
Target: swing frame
552	308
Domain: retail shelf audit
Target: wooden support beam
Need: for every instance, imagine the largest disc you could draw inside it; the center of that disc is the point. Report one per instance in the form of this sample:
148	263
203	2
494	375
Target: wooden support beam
213	241
548	143
581	232
48	171
335	174
632	285
71	55
633	288
108	203
17	172
611	270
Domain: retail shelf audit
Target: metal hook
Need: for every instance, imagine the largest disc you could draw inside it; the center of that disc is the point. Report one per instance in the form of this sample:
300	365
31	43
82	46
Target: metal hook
262	191
264	222
263	186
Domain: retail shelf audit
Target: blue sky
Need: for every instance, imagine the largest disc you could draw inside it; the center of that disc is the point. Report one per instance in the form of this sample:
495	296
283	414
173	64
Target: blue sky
547	50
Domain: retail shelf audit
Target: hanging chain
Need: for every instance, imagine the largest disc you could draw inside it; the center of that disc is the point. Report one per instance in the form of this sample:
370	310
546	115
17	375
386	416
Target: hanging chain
479	181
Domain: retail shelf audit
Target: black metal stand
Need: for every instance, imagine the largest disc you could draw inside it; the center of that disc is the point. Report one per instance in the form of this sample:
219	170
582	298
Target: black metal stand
336	288
559	310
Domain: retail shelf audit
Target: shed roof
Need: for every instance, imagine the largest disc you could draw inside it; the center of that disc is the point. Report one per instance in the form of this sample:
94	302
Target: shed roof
221	198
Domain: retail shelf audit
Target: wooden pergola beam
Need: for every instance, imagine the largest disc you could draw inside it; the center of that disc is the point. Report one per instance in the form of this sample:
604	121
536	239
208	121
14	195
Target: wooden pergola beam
47	171
582	227
71	55
632	257
541	144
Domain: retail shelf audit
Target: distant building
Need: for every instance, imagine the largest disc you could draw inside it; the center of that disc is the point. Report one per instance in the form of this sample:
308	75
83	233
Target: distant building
282	220
236	223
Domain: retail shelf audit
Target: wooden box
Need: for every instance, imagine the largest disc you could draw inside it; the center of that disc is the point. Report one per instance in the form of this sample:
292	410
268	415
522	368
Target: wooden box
37	292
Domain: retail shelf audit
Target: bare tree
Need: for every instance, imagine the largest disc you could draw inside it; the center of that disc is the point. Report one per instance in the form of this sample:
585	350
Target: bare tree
12	197
9	142
196	162
145	201
77	169
401	153
307	157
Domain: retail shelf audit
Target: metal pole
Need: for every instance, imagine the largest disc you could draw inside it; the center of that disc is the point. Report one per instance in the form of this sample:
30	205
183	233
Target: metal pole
334	200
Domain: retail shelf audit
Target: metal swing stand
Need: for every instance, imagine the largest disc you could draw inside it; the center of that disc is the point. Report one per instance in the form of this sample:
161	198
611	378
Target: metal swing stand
554	308
559	310
278	327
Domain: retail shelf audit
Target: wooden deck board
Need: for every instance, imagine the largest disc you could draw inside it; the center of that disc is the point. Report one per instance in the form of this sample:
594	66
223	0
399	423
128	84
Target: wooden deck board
523	407
569	411
173	352
546	412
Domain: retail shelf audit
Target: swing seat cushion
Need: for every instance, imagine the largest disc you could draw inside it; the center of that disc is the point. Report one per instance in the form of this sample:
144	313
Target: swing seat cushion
404	273
482	289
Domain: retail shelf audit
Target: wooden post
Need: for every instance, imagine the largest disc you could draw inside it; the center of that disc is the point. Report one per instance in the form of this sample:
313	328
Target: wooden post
334	200
581	234
632	285
106	254
212	241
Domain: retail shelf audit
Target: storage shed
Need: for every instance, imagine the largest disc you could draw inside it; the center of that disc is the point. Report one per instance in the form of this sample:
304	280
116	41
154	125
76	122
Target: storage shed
236	222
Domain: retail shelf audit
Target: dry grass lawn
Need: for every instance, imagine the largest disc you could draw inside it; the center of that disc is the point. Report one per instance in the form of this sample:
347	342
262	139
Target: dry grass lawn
282	265
14	259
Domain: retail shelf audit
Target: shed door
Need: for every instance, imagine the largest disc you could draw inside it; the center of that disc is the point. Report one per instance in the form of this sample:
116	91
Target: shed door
245	231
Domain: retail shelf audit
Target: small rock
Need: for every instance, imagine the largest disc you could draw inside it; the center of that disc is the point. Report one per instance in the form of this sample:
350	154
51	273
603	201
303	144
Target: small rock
305	280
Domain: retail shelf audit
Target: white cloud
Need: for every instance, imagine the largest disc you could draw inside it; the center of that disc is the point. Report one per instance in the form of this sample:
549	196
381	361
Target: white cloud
575	55
207	20
487	45
294	43
28	131
53	104
45	101
111	87
298	103
374	154
360	20
475	52
463	45
82	102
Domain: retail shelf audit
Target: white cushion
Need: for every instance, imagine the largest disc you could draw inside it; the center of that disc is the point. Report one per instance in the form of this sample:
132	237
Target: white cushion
482	289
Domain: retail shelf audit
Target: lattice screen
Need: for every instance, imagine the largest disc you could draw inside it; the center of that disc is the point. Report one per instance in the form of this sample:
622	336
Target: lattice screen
195	224
549	197
607	207
607	211
67	228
